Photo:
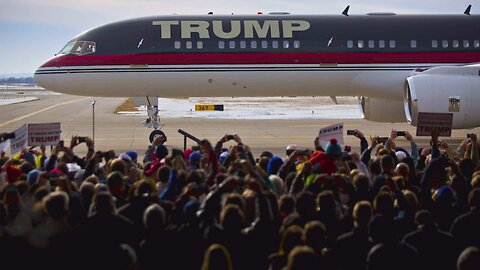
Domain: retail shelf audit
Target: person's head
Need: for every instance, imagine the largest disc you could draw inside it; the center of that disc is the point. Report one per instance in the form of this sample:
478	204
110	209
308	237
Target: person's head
56	204
217	257
142	188
474	198
291	238
119	165
205	146
263	163
305	204
26	167
154	218
383	204
286	204
314	235
466	167
387	164
469	259
326	201
412	199
232	218
361	183
476	181
103	203
424	218
87	190
290	148
381	229
333	149
116	183
234	199
374	167
274	165
301	258
403	170
362	213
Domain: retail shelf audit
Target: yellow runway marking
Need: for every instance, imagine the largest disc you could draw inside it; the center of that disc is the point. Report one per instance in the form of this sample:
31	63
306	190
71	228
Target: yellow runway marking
40	111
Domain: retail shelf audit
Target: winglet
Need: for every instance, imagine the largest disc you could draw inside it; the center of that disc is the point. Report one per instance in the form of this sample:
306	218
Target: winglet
345	11
467	11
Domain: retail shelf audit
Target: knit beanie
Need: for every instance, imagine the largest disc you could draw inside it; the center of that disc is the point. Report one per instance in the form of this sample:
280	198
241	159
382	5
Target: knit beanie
333	148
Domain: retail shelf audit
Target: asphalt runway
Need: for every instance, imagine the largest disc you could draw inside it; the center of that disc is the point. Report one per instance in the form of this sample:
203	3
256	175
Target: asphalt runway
125	132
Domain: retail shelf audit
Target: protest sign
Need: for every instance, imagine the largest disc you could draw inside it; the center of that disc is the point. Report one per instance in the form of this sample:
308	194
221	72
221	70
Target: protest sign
327	133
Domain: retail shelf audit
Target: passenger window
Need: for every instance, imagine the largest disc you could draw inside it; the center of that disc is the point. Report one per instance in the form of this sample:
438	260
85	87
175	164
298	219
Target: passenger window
350	44
264	44
253	44
392	44
371	44
296	44
199	44
243	44
466	43
178	44
434	44
455	44
413	43
221	44
360	44
476	43
445	43
381	44
231	44
286	44
275	44
188	44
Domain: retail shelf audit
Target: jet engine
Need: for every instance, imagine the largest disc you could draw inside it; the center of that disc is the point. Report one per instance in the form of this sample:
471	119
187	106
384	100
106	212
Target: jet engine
379	110
453	89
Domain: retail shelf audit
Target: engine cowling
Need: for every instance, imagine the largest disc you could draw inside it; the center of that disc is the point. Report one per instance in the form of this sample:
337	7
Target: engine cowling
452	89
379	110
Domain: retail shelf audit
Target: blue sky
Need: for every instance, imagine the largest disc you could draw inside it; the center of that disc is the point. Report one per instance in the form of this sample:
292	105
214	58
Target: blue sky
32	31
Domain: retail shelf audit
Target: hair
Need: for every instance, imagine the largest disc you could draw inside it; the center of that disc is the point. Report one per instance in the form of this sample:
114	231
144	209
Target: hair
374	167
263	162
115	181
383	203
402	169
362	213
142	187
119	165
87	190
314	235
103	202
326	201
286	204
92	179
232	218
26	167
163	173
387	163
412	199
56	204
469	259
154	217
474	198
301	258
291	237
361	182
424	218
476	181
305	204
217	257
234	199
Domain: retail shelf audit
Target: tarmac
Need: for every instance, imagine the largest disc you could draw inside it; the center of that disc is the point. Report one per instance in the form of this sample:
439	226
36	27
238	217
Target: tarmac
125	132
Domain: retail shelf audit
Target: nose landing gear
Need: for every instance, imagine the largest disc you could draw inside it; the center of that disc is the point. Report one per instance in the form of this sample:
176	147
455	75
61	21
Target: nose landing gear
153	121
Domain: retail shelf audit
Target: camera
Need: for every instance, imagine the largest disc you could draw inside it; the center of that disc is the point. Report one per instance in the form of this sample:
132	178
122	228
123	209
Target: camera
401	133
61	143
351	132
82	139
230	137
382	139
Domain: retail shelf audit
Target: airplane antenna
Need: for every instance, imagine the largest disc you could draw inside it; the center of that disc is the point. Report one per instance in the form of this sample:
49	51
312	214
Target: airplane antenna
345	11
467	11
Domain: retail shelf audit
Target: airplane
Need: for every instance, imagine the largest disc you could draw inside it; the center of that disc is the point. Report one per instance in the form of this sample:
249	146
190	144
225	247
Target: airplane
398	65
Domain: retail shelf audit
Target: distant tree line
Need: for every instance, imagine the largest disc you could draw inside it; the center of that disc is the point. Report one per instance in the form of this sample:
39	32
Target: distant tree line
11	80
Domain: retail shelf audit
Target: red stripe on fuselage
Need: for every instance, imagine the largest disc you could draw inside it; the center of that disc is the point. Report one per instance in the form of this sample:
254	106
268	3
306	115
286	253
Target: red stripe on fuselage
264	58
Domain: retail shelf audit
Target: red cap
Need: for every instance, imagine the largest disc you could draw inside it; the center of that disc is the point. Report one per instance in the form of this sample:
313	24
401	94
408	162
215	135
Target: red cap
155	165
13	174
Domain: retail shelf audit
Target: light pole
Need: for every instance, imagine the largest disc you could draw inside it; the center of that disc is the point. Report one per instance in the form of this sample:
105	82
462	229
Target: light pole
93	120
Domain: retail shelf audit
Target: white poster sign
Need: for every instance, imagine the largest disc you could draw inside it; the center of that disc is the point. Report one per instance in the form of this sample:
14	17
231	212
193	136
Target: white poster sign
21	139
43	134
327	133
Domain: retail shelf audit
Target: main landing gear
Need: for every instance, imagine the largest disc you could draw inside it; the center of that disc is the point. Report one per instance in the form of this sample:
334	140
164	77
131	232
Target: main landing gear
153	121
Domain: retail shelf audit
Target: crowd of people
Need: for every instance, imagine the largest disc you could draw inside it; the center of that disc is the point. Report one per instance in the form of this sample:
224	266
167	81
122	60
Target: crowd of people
219	207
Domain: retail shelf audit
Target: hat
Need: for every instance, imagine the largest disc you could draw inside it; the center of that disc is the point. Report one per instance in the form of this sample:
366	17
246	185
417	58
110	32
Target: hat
187	153
274	165
13	173
29	158
32	177
161	152
333	148
57	170
292	147
195	158
132	154
400	155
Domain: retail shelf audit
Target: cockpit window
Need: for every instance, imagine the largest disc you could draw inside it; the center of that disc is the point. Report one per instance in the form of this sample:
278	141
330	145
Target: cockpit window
79	48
